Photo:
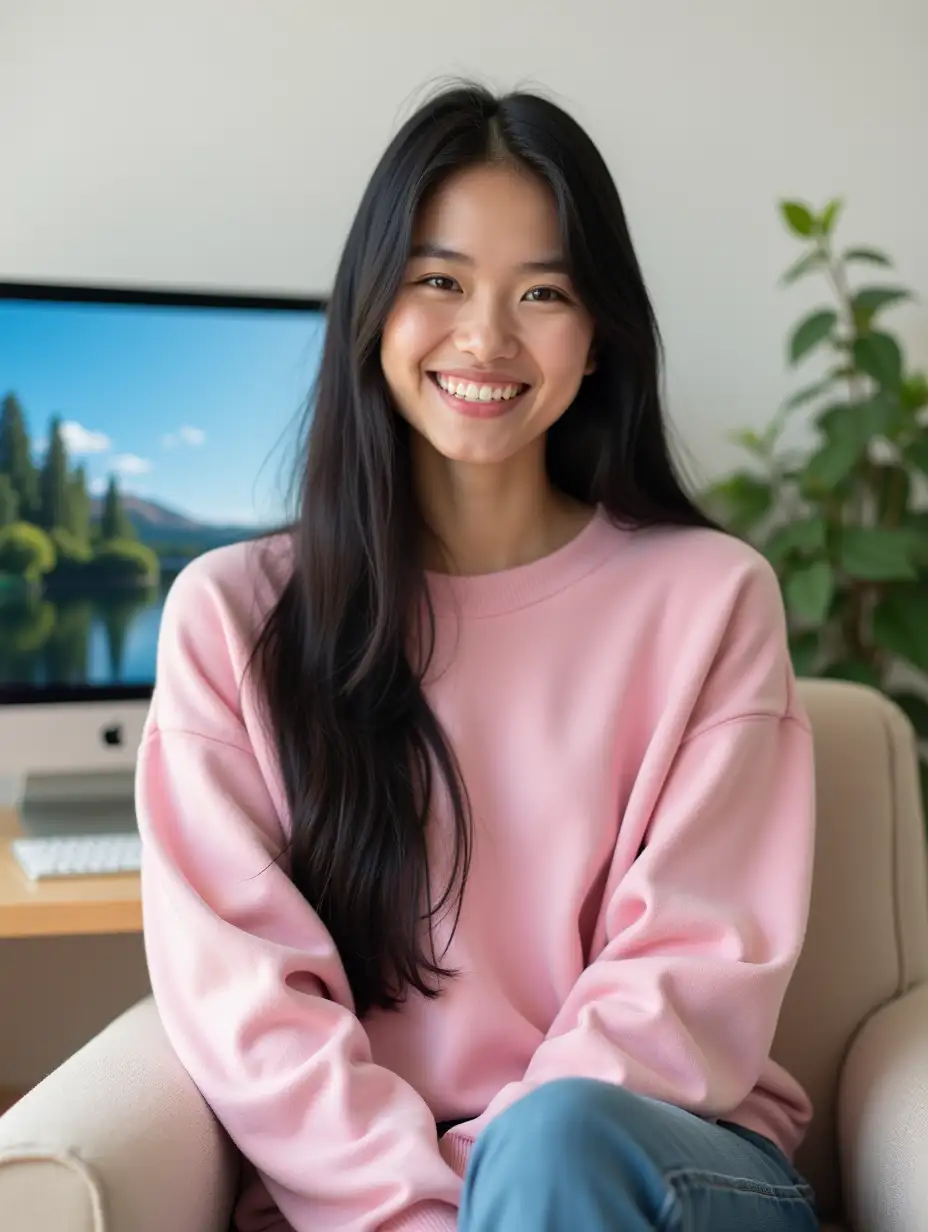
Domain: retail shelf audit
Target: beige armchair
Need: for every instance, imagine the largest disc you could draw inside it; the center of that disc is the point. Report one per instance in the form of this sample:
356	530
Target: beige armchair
118	1136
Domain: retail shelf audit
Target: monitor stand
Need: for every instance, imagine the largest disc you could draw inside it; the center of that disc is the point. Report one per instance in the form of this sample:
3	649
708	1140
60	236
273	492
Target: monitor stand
75	804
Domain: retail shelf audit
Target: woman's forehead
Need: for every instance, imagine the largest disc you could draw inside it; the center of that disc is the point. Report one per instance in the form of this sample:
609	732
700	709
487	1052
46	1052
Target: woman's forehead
492	213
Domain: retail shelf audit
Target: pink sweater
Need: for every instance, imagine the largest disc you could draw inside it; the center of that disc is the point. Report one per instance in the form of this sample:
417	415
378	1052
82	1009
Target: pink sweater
640	776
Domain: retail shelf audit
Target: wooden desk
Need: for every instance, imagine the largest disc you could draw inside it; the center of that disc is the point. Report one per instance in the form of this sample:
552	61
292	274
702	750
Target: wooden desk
66	906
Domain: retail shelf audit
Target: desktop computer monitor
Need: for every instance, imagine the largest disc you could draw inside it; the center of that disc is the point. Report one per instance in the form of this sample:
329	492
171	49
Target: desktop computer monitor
138	429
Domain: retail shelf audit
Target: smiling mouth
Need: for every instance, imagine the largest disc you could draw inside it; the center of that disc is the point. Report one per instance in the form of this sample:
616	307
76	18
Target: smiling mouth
471	392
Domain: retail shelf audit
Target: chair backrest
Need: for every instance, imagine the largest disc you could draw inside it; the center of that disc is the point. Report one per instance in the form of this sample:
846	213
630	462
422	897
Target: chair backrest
868	928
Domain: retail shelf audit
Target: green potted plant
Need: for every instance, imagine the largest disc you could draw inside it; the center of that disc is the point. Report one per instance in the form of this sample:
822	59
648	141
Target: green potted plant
844	521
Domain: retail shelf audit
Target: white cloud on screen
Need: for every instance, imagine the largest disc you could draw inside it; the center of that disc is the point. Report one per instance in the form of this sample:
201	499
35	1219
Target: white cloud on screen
185	435
131	464
81	440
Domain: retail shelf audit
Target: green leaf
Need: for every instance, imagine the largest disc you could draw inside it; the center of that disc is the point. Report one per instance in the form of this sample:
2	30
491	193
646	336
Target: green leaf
753	442
917	526
805	537
860	420
891	487
798	217
913	395
829	215
877	555
868	302
868	256
832	463
871	299
916	454
743	500
810	332
855	670
809	592
810	261
805	652
916	708
879	356
809	393
900	624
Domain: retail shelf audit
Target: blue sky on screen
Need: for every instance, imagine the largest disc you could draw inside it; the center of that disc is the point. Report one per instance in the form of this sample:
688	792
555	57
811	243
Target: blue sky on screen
196	409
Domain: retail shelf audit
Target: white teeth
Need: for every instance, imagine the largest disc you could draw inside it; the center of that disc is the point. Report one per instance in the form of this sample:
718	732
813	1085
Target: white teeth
470	392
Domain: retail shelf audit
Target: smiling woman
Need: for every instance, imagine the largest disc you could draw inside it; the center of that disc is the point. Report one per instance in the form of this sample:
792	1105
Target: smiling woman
477	807
481	357
490	248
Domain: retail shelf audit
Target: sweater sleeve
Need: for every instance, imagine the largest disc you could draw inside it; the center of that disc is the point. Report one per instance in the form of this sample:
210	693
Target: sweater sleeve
247	980
698	939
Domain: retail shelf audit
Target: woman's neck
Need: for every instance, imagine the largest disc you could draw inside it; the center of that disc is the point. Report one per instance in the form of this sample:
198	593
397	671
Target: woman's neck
482	521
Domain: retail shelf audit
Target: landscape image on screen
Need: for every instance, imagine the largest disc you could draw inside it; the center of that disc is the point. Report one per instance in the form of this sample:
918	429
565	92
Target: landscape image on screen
132	439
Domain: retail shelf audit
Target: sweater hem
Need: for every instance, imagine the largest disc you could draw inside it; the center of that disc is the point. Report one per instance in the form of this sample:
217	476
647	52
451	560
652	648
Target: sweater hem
429	1216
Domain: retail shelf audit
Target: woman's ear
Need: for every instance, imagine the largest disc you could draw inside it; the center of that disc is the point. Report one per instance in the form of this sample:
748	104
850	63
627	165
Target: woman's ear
590	360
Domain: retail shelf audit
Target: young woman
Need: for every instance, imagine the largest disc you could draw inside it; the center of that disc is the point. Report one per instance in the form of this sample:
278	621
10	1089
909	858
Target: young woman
477	808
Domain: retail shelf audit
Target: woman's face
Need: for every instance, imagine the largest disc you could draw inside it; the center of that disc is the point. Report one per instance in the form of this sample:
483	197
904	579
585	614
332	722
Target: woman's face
487	343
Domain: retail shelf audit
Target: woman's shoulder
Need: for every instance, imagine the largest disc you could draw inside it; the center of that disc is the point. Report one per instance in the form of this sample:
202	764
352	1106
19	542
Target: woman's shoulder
704	583
212	615
229	589
694	563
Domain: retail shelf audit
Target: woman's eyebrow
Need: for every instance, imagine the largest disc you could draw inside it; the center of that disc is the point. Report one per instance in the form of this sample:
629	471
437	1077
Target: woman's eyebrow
438	252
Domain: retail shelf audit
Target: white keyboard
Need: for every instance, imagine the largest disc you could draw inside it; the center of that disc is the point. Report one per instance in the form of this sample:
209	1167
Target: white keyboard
85	855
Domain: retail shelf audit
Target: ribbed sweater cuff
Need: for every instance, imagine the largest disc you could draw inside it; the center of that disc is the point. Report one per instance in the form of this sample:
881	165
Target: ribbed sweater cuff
424	1217
455	1151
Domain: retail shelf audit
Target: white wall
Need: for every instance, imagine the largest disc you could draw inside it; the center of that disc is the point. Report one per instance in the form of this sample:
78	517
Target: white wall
225	143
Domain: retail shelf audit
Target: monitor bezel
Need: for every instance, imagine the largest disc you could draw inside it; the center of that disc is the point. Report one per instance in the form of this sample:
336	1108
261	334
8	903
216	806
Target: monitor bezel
168	297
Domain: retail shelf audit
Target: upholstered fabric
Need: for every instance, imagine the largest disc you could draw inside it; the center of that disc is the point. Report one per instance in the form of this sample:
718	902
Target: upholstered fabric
868	932
116	1140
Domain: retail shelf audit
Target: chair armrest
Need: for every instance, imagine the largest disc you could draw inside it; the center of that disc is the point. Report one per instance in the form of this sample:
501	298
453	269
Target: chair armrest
118	1137
883	1119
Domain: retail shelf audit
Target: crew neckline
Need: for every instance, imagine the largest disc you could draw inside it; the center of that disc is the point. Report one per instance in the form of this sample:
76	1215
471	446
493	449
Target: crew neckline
492	594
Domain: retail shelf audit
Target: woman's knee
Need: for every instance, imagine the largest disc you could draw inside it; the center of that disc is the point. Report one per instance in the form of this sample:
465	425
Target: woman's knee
568	1116
568	1154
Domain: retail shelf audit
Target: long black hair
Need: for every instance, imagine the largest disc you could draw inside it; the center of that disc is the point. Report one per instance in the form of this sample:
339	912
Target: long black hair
359	746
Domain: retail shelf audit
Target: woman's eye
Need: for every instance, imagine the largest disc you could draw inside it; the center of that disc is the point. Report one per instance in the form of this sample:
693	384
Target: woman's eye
440	282
545	295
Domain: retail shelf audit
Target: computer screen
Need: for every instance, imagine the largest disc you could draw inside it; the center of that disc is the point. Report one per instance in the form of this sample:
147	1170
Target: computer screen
137	430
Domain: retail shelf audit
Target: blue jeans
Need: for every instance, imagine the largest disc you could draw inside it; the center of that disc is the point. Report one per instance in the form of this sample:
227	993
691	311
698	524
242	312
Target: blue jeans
583	1156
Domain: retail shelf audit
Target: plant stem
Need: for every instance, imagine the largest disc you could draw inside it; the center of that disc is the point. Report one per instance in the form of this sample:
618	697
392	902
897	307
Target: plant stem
857	593
837	276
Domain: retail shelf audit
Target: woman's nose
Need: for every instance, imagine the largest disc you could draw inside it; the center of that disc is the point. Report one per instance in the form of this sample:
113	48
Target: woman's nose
485	332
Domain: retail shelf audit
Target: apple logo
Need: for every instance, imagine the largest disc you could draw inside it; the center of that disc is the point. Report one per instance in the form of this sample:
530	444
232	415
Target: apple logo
112	735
